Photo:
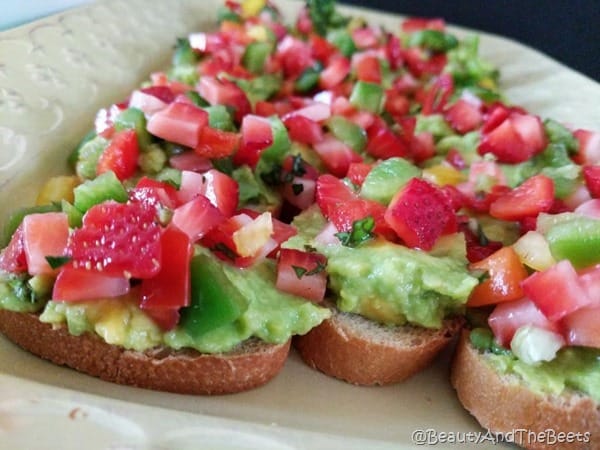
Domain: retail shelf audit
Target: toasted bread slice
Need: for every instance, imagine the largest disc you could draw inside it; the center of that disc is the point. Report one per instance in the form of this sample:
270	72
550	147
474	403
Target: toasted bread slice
363	352
186	372
504	403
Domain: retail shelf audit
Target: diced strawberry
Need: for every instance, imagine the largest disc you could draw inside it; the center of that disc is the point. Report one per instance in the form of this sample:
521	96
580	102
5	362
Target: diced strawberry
12	257
420	213
438	94
224	92
463	116
148	189
295	56
117	239
214	143
365	37
534	196
221	190
257	135
413	24
421	63
358	171
336	155
591	175
146	102
383	143
197	217
396	103
455	159
422	146
368	69
393	51
317	112
516	139
180	123
589	146
121	155
335	72
302	129
163	93
190	161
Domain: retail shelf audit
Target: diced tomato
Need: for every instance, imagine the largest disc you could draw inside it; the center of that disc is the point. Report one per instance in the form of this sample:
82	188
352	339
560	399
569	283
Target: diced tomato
505	274
335	72
421	63
508	317
216	143
223	92
317	112
118	239
455	159
591	175
393	51
516	139
589	146
302	273
581	327
190	161
74	285
121	155
420	213
180	123
295	55
383	143
358	171
197	217
365	37
463	116
556	291
368	69
534	196
170	288
44	234
336	155
221	190
257	135
590	208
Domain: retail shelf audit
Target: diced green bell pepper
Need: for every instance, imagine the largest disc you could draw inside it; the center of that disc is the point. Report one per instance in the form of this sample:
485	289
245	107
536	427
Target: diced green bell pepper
256	55
88	155
348	132
367	96
133	118
434	40
215	301
577	240
219	117
308	79
342	39
105	187
276	152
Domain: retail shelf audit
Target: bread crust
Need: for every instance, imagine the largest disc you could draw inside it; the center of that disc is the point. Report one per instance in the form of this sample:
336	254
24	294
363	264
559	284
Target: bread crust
184	372
504	403
362	352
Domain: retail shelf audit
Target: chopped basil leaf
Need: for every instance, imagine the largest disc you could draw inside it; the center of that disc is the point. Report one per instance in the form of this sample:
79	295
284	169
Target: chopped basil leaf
362	230
57	261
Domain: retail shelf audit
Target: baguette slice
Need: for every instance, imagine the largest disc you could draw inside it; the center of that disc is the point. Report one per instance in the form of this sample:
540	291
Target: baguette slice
363	352
186	372
503	403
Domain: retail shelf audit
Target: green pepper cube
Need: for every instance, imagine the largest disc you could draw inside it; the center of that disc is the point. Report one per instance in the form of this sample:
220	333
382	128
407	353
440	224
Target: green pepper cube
367	96
215	301
348	132
255	56
276	152
134	118
577	240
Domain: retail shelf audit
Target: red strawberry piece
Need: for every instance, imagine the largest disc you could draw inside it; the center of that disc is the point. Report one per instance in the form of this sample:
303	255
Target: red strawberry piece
118	239
591	174
420	213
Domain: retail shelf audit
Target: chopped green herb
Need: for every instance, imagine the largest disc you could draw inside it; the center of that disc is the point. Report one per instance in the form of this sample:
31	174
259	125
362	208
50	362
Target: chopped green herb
57	261
362	230
297	188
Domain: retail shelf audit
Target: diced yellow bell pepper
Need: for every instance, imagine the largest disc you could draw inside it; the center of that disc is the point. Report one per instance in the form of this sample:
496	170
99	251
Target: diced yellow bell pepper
258	33
442	174
57	189
252	7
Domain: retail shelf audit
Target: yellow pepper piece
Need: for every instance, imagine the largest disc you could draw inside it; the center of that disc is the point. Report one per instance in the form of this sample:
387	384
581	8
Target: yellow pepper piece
258	33
442	174
252	7
488	83
57	189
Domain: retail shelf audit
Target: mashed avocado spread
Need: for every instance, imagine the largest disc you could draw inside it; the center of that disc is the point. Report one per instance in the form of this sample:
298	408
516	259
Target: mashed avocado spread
271	315
386	282
575	368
